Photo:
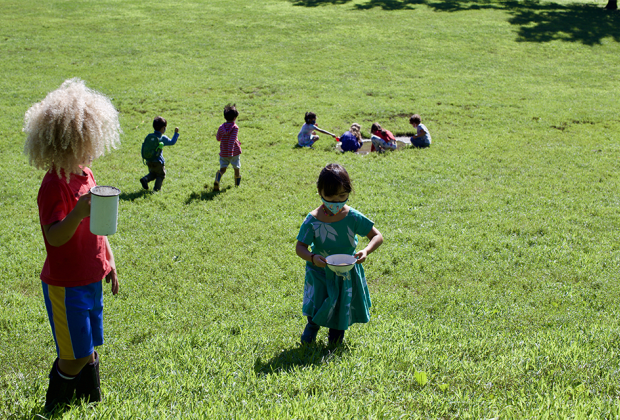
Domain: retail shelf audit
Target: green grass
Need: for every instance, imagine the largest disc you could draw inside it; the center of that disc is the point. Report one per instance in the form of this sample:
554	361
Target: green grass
495	294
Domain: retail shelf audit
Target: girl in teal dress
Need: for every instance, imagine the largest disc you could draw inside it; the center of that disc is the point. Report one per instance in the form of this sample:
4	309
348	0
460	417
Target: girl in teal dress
331	300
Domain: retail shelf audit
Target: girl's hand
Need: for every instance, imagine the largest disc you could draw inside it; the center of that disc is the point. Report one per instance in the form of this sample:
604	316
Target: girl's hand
361	256
319	260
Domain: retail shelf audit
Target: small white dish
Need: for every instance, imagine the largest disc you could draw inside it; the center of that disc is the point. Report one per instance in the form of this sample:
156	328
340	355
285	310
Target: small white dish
341	263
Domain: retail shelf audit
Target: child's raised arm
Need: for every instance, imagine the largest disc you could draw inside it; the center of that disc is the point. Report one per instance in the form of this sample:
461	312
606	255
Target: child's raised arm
376	239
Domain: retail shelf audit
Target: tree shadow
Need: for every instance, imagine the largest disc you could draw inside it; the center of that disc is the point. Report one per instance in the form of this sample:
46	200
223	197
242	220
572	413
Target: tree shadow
544	22
389	4
537	21
584	23
315	354
205	195
315	3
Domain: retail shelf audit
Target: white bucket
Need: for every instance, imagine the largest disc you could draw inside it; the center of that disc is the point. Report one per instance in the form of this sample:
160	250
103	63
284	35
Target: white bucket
104	210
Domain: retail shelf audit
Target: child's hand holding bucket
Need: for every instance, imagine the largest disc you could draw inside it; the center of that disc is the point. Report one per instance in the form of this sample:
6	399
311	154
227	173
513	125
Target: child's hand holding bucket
82	207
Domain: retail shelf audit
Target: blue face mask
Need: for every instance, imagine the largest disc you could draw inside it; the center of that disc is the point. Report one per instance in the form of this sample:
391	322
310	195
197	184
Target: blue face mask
334	207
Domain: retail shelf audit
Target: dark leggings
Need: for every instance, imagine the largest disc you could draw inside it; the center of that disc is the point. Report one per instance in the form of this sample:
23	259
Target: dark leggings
333	335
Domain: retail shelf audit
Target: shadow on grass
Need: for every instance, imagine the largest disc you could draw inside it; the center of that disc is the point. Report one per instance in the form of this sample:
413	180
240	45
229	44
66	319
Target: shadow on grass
584	23
538	21
205	195
307	355
132	196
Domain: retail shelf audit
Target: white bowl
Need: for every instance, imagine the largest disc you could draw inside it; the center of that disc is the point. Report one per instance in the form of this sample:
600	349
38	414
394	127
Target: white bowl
341	263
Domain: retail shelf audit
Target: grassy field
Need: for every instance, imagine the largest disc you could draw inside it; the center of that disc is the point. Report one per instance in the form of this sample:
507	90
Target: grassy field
495	294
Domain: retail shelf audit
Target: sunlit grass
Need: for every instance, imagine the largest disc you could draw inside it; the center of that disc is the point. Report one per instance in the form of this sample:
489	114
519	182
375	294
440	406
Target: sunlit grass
495	292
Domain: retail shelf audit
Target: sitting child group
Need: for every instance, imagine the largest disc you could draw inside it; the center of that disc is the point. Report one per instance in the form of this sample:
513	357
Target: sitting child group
72	126
351	141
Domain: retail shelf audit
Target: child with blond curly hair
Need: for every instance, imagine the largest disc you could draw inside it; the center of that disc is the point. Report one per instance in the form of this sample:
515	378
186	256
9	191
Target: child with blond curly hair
66	131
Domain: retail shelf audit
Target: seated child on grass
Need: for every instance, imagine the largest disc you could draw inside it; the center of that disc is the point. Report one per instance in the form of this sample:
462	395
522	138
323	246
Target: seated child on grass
382	139
351	141
422	138
66	131
307	135
155	160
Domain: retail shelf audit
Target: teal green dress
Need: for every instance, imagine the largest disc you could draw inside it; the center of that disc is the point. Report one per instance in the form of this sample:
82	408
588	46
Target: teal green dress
332	300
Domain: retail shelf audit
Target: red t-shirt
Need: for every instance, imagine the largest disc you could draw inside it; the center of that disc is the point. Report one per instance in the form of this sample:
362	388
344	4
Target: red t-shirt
82	260
388	136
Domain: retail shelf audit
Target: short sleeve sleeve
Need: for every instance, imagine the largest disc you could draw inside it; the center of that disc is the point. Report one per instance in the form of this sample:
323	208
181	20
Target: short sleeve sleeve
52	206
363	224
306	232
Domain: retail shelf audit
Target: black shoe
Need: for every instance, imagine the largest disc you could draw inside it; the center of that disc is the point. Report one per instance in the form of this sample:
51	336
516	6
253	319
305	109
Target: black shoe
60	391
88	386
335	337
144	183
309	334
237	181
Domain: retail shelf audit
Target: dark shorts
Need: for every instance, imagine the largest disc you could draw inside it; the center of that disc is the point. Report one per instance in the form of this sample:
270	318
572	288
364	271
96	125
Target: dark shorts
156	169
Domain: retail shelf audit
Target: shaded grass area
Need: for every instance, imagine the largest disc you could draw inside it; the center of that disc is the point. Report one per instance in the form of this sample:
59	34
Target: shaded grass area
585	23
495	293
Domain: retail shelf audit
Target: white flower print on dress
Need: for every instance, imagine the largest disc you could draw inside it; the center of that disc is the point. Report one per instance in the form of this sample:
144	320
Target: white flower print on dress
324	231
351	236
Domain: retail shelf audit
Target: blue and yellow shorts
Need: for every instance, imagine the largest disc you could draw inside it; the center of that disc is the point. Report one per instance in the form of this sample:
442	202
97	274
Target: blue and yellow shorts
76	317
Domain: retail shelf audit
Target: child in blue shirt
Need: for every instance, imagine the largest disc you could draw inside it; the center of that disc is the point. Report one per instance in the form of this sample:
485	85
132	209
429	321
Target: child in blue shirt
157	170
351	141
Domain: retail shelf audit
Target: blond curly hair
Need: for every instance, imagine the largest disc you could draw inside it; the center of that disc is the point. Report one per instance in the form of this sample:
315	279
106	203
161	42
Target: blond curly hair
71	127
356	131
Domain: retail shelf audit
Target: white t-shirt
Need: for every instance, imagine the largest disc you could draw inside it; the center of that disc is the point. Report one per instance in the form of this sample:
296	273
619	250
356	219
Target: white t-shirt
422	129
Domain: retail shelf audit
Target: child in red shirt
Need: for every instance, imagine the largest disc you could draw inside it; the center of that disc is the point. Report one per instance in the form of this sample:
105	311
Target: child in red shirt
66	131
230	146
381	139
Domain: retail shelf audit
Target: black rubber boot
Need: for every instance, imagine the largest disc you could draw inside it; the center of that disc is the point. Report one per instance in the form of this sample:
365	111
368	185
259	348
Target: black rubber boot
335	337
60	390
216	183
88	385
310	332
